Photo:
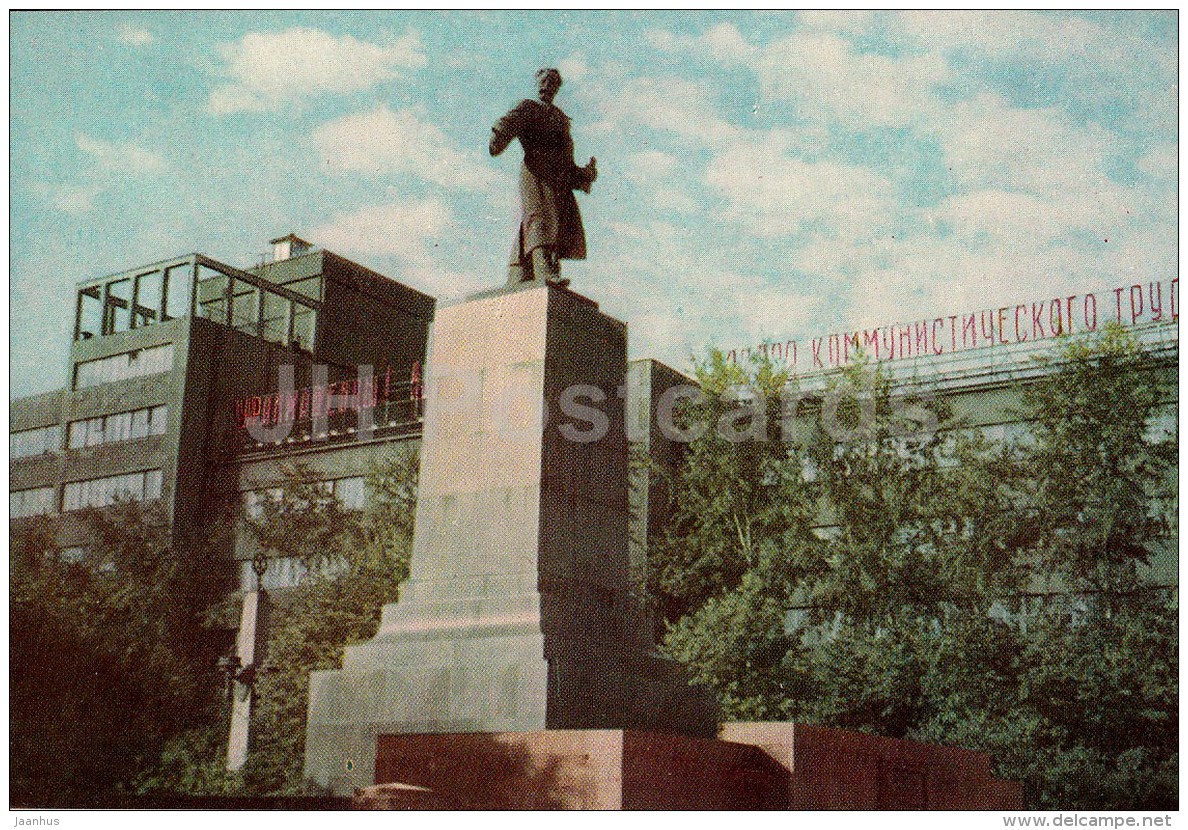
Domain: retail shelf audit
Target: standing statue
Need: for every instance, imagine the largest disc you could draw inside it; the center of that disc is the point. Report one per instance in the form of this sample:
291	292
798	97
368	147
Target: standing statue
550	224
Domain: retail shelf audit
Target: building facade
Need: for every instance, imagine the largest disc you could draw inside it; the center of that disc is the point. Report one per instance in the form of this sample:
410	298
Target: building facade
163	354
197	384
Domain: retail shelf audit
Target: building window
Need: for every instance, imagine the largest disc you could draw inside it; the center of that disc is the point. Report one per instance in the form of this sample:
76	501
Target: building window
89	314
254	501
305	323
128	303
117	306
283	572
36	502
350	492
275	318
310	286
178	283
101	492
123	366
148	298
31	442
120	426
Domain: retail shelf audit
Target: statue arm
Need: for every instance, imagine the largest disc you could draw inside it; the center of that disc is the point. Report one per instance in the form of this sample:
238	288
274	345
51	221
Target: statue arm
583	177
507	128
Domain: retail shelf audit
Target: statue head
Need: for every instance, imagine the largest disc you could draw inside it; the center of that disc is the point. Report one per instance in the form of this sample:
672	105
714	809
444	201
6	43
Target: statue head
548	81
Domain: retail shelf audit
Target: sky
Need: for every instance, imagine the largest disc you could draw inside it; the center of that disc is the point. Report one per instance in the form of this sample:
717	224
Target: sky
761	175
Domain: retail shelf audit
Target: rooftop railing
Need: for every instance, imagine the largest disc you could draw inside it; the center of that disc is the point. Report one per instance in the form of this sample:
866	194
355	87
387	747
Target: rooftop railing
199	286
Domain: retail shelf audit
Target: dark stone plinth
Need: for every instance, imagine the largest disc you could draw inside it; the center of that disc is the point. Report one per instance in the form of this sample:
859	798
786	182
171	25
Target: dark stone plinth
838	769
759	766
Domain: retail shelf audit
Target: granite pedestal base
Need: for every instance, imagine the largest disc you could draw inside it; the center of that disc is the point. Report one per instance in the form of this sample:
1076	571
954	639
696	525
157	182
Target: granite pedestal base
754	766
519	614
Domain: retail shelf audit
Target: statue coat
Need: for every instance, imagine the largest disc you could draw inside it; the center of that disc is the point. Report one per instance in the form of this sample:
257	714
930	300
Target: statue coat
549	215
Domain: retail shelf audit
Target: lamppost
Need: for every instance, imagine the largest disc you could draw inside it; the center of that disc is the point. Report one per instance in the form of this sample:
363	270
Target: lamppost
243	667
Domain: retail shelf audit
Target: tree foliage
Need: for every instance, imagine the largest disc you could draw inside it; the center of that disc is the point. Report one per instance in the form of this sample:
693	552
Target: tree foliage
916	579
355	562
114	687
111	657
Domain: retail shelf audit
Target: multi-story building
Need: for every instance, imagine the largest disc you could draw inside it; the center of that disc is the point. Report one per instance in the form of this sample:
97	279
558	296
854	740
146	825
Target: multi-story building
161	355
172	362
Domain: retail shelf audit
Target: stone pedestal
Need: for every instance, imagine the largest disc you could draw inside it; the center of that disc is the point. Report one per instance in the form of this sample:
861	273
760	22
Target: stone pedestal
518	615
756	766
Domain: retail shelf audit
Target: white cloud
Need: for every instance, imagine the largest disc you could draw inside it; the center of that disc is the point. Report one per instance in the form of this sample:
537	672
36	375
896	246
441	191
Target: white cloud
723	42
135	35
408	230
120	157
675	106
650	166
382	142
107	163
773	194
1161	162
573	68
72	199
828	78
1038	40
849	21
267	70
988	142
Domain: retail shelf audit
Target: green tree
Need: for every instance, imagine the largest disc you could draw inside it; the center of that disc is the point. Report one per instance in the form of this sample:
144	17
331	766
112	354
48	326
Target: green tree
739	507
111	657
960	591
1099	668
355	562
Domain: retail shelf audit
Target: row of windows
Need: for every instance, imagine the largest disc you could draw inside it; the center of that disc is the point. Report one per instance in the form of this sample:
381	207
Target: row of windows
282	572
136	363
121	426
255	310
30	442
127	303
350	492
101	492
36	502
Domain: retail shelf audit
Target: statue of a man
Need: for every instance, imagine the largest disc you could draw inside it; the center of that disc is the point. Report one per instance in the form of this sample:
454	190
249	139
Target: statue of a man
550	224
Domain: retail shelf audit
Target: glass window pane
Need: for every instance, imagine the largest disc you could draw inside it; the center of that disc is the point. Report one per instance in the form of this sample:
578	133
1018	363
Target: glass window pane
304	320
213	310
72	556
139	427
245	307
147	307
117	306
276	318
78	435
310	287
350	492
152	485
158	417
90	312
177	291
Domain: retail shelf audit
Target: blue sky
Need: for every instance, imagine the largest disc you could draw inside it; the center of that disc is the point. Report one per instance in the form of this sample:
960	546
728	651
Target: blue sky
762	175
